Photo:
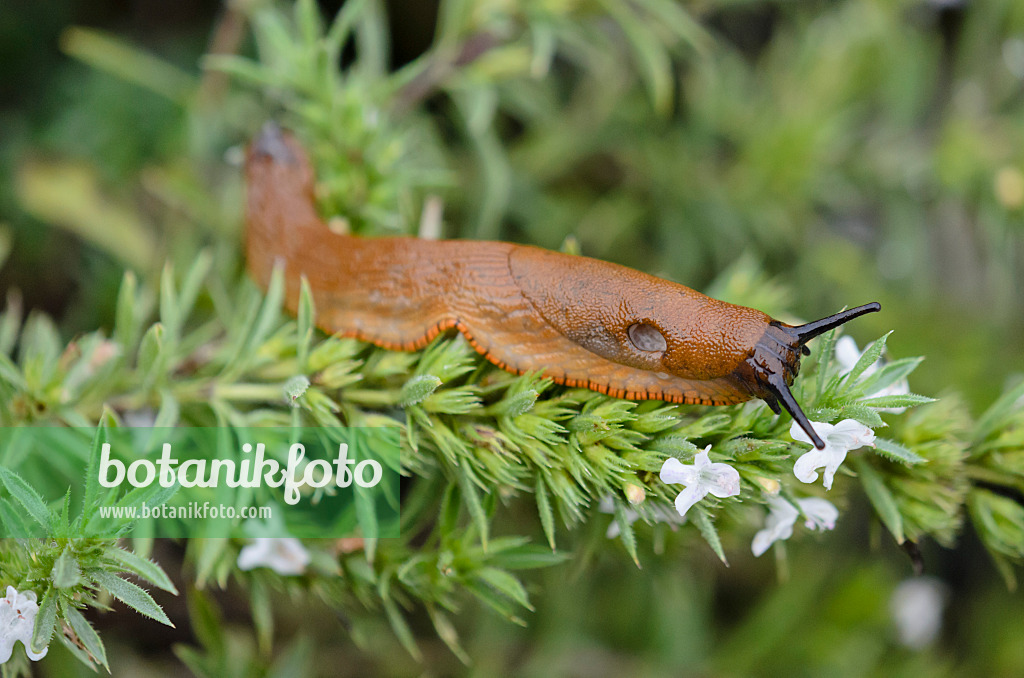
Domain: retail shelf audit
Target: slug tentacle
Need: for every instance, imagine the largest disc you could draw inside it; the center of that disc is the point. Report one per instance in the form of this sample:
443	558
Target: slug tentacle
579	321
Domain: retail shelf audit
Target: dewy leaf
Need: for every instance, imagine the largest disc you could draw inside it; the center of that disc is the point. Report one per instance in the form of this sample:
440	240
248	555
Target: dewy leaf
131	595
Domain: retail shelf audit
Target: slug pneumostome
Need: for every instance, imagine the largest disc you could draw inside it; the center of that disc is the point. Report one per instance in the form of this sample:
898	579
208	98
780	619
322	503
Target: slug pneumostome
580	321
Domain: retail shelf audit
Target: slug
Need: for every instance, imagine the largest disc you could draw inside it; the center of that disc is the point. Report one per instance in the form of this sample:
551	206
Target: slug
580	321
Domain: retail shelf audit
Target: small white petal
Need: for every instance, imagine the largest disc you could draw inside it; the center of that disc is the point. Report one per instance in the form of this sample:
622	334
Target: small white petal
820	513
807	465
851	434
839	439
284	555
916	607
847	353
17	618
675	472
721	480
701	459
700	478
778	525
688	497
798	434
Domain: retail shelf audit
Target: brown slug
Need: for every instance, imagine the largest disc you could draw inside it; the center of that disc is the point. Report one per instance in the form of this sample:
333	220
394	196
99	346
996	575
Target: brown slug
580	321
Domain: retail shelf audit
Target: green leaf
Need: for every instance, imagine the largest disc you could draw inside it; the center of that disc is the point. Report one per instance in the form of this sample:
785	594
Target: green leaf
447	633
417	389
151	348
270	312
66	572
476	508
126	321
529	556
305	321
626	534
904	400
544	510
881	498
26	495
132	595
401	628
86	634
262	609
90	497
868	358
710	534
141	567
12	521
993	418
506	584
46	620
893	450
10	322
170	313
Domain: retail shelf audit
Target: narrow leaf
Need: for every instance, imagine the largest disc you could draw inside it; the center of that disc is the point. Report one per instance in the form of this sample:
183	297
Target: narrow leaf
881	499
893	450
132	595
26	495
142	567
46	620
86	634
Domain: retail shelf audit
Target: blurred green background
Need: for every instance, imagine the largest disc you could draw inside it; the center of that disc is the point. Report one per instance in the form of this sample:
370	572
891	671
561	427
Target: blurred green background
812	155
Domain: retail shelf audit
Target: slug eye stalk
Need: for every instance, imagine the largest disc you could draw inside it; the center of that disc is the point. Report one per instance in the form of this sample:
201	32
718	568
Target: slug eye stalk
775	374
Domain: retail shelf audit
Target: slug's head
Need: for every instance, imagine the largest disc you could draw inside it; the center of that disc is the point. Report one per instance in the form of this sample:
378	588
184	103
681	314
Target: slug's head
775	362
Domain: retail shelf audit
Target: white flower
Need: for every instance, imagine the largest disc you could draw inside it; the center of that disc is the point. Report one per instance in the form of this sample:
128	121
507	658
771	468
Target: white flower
778	525
839	439
847	355
659	514
916	607
284	555
700	478
819	514
17	617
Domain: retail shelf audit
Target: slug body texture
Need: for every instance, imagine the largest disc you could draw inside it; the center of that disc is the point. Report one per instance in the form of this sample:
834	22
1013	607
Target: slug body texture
580	321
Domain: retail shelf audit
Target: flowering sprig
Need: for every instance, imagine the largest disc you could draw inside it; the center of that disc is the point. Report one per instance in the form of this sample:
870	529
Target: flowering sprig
839	439
700	478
